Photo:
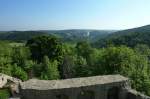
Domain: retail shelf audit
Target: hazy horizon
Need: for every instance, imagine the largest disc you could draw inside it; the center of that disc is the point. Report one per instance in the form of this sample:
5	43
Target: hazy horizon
73	14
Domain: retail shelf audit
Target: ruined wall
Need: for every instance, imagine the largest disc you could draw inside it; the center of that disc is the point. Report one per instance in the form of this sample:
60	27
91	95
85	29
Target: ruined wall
4	79
133	94
10	83
98	87
105	91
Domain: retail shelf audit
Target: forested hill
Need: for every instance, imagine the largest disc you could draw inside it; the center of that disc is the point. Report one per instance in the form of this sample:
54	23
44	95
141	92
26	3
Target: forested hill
20	35
129	37
66	35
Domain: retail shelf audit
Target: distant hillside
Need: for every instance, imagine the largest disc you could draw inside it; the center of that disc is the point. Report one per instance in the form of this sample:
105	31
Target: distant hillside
66	35
20	35
130	37
79	34
143	29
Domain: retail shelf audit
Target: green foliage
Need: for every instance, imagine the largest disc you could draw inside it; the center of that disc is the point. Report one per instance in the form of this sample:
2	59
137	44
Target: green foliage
142	49
85	50
114	58
28	65
82	69
37	69
67	67
5	58
4	94
125	61
45	45
18	72
20	55
50	69
47	58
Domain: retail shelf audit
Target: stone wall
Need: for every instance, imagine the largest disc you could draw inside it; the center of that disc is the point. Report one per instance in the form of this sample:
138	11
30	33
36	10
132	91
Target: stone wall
98	91
10	83
94	92
133	94
4	79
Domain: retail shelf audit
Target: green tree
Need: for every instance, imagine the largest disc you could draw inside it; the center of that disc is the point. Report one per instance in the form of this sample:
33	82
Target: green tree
45	45
82	69
142	49
29	68
5	58
20	55
50	69
125	61
37	69
18	72
67	67
85	50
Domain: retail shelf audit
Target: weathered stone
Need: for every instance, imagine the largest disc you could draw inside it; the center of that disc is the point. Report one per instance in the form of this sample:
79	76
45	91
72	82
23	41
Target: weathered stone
72	83
97	87
15	98
4	79
10	83
133	94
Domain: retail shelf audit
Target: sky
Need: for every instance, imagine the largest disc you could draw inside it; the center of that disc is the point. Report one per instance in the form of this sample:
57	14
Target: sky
73	14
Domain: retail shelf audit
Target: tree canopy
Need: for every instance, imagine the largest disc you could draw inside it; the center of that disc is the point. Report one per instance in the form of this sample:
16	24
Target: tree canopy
45	45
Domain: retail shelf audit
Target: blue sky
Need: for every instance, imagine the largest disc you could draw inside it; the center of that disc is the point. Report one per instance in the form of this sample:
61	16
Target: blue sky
73	14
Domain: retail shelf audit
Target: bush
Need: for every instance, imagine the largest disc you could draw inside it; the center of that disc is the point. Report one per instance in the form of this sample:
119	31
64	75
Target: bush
4	94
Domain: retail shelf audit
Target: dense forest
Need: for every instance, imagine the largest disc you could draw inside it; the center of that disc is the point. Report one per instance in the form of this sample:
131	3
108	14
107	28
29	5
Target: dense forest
48	57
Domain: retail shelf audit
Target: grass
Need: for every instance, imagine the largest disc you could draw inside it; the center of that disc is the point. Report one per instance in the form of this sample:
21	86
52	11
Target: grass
4	94
17	44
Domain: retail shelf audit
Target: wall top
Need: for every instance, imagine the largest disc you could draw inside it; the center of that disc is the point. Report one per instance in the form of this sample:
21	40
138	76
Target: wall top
5	78
72	83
